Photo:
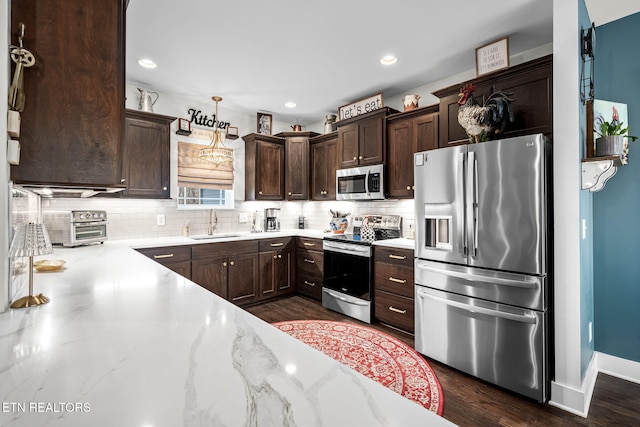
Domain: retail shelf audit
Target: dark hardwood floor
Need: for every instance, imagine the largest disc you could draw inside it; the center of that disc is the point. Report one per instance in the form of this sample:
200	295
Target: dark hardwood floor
471	402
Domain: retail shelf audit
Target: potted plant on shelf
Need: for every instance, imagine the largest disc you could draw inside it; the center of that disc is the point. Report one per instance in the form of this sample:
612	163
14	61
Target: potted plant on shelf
613	139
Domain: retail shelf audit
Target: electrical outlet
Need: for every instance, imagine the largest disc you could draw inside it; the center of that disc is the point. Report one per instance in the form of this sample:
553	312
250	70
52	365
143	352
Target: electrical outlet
160	219
243	217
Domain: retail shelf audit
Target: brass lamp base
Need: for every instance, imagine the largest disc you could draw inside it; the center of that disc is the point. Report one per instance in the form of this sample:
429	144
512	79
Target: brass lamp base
30	301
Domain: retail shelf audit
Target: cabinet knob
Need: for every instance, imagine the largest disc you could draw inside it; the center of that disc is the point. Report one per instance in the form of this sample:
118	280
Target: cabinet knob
360	158
231	263
289	192
123	180
260	192
408	187
355	158
164	188
279	256
309	283
224	264
275	256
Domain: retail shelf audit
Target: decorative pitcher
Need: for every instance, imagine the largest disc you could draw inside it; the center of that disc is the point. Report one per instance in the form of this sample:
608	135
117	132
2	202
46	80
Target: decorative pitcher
146	104
410	102
330	123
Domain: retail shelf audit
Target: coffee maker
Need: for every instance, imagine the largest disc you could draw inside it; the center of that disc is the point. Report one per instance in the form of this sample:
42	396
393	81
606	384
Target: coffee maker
271	221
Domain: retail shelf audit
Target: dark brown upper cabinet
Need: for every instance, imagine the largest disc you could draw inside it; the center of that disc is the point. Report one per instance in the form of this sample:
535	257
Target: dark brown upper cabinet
324	163
361	139
73	120
531	85
408	133
146	155
296	159
264	167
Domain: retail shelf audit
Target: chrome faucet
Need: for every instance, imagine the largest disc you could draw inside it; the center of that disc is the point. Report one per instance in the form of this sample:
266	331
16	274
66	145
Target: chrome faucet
213	221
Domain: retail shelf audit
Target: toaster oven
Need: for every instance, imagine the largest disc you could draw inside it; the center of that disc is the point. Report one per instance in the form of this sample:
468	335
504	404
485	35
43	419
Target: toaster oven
76	228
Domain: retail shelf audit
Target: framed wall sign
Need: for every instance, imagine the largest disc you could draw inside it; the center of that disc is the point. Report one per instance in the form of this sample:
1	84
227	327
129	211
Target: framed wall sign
360	107
492	57
184	127
264	123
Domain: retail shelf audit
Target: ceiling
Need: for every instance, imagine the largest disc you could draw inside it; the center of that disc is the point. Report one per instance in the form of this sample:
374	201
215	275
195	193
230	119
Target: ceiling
258	55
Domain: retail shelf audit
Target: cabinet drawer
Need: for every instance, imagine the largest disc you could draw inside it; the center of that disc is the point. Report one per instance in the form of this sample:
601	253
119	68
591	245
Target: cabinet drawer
224	248
395	310
395	279
394	256
311	262
309	243
309	285
276	244
167	253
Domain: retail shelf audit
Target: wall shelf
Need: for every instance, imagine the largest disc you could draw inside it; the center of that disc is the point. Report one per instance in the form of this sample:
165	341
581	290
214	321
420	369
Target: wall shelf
596	171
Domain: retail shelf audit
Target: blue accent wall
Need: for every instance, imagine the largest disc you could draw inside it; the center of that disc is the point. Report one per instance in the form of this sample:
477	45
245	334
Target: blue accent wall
586	245
617	207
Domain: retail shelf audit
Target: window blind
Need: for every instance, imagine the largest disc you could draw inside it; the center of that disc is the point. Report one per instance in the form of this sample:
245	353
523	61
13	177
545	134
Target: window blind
197	173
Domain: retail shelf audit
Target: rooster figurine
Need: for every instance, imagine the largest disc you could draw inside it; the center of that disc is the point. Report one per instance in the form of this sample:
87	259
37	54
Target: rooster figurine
482	123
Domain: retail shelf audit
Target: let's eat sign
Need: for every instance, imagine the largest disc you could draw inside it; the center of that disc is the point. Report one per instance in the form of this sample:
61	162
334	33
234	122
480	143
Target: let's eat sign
360	107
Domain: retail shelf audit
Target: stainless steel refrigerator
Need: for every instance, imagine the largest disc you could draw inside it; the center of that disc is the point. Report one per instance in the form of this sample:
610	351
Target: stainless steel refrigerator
483	260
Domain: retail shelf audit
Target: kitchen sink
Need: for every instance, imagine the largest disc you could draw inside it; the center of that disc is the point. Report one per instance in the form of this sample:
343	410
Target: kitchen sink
214	236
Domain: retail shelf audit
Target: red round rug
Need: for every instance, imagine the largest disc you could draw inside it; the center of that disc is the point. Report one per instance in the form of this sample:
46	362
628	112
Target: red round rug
375	354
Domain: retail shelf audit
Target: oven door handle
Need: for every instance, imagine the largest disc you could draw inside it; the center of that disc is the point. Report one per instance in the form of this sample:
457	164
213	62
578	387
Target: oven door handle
87	224
341	298
479	310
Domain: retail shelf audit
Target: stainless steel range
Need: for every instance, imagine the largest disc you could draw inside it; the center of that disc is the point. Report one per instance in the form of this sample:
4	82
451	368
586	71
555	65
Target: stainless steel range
348	266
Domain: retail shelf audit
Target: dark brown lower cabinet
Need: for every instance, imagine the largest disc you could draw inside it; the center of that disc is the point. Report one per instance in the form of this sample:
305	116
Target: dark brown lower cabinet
228	269
394	287
277	267
310	265
211	274
175	258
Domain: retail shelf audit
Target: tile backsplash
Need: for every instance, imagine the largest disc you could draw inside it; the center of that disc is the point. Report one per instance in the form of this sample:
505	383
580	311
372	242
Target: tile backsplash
137	218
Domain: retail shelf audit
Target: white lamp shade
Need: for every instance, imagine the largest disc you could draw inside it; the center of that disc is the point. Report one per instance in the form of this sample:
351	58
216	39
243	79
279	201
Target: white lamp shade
30	239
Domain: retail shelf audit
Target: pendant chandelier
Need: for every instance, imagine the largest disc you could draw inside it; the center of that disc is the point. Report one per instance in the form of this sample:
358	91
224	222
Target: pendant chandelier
217	152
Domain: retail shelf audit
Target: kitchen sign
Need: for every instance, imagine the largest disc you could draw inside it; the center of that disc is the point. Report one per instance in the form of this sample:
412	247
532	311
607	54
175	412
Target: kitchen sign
360	107
198	119
492	57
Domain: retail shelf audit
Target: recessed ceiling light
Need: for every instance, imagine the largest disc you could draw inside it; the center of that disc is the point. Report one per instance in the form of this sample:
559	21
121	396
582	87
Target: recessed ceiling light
147	63
290	104
388	60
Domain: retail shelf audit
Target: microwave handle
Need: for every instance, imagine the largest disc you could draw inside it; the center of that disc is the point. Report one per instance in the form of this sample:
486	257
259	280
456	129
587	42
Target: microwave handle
366	181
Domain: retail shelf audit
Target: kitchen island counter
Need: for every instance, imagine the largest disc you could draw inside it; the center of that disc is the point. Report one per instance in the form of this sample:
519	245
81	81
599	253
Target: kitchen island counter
125	341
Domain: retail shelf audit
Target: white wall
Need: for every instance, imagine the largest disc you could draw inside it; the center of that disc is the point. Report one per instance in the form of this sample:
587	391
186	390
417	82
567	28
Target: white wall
566	390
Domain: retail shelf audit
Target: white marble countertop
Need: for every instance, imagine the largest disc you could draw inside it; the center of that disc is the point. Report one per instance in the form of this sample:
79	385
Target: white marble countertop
126	342
401	243
215	237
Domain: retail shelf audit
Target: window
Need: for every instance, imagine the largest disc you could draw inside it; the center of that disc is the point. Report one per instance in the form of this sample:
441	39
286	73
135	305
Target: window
204	198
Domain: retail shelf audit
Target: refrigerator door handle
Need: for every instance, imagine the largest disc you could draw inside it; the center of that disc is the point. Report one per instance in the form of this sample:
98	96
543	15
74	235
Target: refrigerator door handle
474	161
480	310
460	219
526	284
470	204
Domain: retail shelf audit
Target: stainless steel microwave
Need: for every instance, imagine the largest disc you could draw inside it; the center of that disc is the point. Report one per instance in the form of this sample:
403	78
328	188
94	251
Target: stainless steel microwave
361	183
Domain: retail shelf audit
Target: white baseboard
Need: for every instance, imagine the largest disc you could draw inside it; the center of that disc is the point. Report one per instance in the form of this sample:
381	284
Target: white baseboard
577	401
621	368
